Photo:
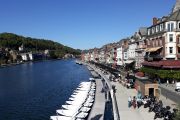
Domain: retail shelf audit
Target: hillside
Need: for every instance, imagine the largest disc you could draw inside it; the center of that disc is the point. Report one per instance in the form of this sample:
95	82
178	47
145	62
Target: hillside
13	41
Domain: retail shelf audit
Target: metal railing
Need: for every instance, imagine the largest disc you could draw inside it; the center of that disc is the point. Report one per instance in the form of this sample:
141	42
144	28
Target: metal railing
113	97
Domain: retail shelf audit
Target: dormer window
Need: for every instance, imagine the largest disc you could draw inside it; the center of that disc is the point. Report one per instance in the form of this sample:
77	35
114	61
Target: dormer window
149	31
170	27
179	25
157	28
153	30
161	27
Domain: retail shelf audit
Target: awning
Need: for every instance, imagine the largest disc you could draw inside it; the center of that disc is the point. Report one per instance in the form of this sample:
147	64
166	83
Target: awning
147	49
153	49
128	62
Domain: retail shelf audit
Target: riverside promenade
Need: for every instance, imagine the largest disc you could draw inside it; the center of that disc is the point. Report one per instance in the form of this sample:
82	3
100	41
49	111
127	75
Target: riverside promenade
97	112
113	97
122	94
125	113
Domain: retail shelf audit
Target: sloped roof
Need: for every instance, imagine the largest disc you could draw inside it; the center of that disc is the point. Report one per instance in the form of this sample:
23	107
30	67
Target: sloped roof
177	6
174	16
143	31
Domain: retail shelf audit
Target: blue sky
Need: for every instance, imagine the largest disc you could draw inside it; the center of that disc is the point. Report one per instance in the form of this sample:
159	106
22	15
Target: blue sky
80	24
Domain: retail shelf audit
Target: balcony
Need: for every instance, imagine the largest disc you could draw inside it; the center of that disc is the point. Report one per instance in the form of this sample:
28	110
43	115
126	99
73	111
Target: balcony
153	57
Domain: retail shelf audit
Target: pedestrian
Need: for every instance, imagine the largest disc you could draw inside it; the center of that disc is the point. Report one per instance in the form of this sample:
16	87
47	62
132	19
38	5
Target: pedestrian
129	102
134	102
139	103
167	82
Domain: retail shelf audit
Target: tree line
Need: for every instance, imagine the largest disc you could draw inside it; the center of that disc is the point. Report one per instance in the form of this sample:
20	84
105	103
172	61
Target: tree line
13	41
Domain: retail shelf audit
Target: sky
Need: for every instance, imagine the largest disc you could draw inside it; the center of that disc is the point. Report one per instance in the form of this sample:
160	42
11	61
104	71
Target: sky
80	24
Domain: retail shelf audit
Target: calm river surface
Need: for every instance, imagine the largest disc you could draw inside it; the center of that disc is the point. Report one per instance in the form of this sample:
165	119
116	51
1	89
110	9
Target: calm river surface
33	91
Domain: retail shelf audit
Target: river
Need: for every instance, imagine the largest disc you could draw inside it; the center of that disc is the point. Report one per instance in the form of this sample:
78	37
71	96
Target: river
33	91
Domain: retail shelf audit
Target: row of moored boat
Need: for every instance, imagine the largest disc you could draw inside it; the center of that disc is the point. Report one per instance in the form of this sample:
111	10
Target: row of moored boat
79	104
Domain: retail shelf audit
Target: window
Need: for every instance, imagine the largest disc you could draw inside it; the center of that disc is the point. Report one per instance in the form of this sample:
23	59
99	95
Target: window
149	31
178	25
170	50
157	28
170	37
170	27
153	30
161	27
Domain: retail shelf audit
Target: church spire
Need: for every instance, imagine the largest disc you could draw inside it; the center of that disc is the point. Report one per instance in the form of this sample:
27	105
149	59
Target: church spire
177	6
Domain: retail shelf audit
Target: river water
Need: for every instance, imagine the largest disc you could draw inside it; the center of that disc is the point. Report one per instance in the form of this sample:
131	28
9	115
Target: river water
33	91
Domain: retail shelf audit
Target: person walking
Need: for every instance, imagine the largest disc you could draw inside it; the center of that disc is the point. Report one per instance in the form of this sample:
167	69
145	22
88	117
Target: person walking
129	102
167	82
134	102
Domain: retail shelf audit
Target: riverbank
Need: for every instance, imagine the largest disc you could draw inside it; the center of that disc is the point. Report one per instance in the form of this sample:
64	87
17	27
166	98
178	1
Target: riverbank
14	64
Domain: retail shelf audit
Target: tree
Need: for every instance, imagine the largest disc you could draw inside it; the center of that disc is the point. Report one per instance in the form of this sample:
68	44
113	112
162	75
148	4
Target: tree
13	41
173	74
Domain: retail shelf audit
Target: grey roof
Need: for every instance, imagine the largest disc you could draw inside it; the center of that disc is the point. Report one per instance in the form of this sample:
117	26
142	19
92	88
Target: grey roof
177	6
143	31
174	16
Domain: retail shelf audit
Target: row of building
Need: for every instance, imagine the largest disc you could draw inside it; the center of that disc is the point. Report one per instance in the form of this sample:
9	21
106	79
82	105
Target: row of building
8	55
156	45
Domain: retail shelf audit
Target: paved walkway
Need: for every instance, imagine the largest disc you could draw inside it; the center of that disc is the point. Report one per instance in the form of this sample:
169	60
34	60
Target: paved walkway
97	112
126	113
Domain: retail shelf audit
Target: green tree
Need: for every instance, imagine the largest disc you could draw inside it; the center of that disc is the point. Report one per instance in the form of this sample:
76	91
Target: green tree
13	41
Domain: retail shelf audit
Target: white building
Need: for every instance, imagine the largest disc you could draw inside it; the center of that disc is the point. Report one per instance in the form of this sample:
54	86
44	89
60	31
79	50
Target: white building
87	57
102	56
21	48
163	38
24	56
120	56
27	56
132	49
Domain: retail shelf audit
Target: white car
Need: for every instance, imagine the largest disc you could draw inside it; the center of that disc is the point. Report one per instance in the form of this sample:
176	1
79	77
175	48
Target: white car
177	86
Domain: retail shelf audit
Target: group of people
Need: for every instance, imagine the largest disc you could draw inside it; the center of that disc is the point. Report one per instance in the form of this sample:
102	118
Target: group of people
133	102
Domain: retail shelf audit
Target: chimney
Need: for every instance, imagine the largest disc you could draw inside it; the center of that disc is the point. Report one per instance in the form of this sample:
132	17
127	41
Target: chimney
155	20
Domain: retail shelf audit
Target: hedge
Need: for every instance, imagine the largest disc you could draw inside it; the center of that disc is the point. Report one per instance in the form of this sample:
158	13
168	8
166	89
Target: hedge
174	74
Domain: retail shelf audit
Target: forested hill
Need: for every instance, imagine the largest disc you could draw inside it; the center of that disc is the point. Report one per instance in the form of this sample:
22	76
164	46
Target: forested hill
13	41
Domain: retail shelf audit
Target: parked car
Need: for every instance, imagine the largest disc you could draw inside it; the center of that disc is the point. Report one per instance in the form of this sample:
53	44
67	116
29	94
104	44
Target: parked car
177	87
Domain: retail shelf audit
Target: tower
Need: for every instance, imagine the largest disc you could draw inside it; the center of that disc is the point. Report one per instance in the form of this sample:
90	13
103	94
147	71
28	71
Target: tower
176	6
